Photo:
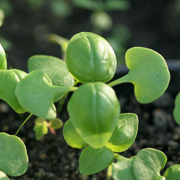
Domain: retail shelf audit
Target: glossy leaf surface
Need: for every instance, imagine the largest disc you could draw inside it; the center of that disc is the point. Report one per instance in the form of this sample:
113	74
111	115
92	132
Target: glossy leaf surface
148	72
14	159
3	61
90	58
36	94
71	136
173	172
94	160
8	82
148	163
122	169
94	111
176	112
125	132
54	67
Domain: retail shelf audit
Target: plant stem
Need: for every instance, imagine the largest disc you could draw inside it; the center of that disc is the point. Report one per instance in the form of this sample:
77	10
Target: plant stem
109	173
121	80
23	124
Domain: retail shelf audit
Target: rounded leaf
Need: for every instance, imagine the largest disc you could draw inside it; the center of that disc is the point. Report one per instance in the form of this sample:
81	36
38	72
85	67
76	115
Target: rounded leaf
122	169
72	137
173	172
14	159
148	72
125	133
148	163
55	123
90	58
94	111
36	94
176	112
3	61
92	160
8	82
55	68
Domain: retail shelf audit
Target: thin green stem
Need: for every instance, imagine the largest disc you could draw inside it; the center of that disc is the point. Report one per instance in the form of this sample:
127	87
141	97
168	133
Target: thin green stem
121	80
109	173
23	124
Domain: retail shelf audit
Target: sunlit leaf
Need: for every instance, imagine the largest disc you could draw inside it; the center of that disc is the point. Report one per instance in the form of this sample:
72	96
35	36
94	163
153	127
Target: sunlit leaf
3	61
94	111
122	169
173	172
125	132
148	163
8	82
54	67
36	94
94	160
71	136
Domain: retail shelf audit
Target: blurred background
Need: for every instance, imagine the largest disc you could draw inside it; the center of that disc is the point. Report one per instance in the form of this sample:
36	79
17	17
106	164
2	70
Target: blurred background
26	26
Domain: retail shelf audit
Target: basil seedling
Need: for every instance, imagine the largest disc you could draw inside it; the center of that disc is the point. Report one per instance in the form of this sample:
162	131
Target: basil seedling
95	122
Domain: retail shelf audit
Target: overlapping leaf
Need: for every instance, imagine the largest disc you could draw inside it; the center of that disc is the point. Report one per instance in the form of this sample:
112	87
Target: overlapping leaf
125	132
55	68
8	82
36	94
94	160
148	163
71	136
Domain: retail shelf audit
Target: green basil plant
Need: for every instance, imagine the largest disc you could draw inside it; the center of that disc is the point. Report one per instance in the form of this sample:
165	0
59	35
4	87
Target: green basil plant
96	124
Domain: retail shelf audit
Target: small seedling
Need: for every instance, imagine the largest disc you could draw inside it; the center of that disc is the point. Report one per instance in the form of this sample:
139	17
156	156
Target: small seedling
95	123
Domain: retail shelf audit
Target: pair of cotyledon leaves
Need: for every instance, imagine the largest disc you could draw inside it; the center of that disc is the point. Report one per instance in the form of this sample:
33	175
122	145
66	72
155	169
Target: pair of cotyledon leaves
89	58
93	160
147	164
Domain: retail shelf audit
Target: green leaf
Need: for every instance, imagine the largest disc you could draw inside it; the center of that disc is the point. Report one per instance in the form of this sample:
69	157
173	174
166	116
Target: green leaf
54	67
94	111
159	178
125	132
14	159
90	58
36	94
148	73
148	163
176	112
117	5
3	61
173	172
3	176
71	136
94	160
40	128
56	123
8	82
122	169
148	70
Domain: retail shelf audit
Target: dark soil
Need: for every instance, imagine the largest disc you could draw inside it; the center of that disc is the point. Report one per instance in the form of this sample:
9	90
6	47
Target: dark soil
51	158
151	25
